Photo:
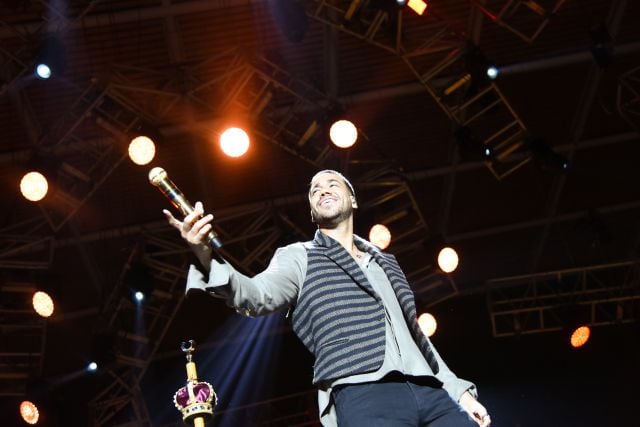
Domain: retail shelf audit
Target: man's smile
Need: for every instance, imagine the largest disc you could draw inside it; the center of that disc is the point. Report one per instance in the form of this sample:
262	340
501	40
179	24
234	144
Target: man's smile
328	201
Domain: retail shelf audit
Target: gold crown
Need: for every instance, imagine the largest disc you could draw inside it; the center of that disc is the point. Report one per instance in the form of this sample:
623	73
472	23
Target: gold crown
196	399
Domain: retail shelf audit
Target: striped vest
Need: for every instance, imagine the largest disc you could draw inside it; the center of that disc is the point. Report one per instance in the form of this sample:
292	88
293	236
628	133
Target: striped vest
341	319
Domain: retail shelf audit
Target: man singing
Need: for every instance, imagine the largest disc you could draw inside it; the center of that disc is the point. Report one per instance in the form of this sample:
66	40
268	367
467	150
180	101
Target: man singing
354	311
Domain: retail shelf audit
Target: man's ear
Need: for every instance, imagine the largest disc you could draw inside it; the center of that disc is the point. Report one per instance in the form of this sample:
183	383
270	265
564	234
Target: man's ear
313	221
354	202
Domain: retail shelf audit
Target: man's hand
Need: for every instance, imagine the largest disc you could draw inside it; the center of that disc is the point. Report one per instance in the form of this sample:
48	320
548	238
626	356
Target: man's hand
475	409
194	229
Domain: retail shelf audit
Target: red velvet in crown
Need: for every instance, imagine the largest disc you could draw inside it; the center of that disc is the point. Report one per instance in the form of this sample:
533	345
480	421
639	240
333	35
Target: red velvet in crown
196	399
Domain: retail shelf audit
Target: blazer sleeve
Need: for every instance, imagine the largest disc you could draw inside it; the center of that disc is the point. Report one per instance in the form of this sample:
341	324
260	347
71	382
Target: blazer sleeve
273	289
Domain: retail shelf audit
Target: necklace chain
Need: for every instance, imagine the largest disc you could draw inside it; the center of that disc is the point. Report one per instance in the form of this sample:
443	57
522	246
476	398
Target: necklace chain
357	253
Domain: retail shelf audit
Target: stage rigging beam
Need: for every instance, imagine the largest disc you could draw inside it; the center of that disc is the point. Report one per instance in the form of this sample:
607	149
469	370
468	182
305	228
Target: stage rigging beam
23	337
596	295
447	66
578	123
524	18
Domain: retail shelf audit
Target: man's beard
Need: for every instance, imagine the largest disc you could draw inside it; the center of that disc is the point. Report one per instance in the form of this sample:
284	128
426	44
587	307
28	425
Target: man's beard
331	221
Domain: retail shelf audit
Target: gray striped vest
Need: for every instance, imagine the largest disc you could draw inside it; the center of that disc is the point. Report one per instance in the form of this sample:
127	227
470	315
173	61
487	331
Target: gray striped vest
341	319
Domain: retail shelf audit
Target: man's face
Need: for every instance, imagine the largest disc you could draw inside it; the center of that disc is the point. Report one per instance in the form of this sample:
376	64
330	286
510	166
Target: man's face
330	200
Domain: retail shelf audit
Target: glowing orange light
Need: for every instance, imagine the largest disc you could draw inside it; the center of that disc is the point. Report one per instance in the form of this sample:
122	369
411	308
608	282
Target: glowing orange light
380	236
343	133
29	412
34	186
142	150
580	336
418	6
428	324
234	142
42	304
448	260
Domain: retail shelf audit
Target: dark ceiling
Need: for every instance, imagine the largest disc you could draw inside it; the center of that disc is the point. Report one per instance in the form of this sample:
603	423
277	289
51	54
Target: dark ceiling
539	244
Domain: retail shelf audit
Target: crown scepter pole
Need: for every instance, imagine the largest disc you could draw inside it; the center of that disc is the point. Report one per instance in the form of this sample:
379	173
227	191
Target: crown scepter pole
196	400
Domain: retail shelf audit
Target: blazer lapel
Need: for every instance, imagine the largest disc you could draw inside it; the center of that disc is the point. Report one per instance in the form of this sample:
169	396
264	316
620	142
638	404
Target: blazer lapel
336	253
395	276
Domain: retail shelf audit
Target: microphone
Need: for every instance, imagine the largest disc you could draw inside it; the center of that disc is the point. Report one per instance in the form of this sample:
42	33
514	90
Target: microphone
159	178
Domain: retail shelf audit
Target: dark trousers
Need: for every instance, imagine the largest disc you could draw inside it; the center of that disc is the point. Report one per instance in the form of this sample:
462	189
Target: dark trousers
397	403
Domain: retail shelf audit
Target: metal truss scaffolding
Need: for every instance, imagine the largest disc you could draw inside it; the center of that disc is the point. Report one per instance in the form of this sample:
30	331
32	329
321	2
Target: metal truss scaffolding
596	295
446	65
628	97
23	338
524	18
138	331
387	198
26	245
282	109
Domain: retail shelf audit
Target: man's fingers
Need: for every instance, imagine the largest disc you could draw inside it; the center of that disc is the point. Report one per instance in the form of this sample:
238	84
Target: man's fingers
204	231
202	222
484	420
172	220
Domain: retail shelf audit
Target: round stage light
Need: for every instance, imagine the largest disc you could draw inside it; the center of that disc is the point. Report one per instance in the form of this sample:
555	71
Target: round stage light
580	336
29	412
34	186
43	71
42	304
380	236
92	366
142	150
448	259
139	296
234	142
343	133
428	324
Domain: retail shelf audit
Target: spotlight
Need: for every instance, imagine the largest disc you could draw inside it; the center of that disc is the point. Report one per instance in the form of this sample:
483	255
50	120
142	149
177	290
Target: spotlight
427	324
34	186
234	142
139	296
493	72
92	367
29	412
42	304
448	259
343	133
142	150
418	6
43	71
380	236
580	336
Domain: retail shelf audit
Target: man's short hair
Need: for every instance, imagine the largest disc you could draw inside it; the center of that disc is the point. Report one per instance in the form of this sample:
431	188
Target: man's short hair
344	179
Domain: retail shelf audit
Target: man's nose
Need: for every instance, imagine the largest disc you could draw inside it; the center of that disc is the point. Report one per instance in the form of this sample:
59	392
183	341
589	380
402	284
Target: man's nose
321	190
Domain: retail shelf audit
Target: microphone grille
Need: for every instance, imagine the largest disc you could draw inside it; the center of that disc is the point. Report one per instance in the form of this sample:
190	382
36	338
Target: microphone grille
157	175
